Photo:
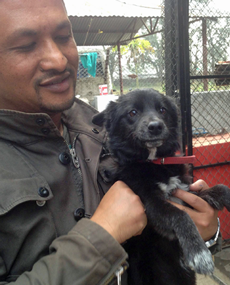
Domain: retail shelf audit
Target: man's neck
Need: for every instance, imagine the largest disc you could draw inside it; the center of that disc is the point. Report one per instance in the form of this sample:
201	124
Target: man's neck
57	121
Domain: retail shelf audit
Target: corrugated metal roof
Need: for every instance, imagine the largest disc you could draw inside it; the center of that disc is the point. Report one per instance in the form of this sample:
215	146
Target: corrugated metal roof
89	30
106	23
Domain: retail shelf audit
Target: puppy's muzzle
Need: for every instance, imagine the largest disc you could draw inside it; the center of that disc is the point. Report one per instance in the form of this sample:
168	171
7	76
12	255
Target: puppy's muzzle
156	127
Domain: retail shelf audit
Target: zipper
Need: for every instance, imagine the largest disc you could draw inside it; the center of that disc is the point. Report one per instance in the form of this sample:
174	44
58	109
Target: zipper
74	156
123	267
117	274
75	160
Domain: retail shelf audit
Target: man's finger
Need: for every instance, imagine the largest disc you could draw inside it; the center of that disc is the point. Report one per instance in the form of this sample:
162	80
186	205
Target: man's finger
194	201
191	212
199	185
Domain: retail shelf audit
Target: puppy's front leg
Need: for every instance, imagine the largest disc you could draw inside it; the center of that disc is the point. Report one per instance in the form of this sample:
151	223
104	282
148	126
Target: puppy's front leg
171	222
218	196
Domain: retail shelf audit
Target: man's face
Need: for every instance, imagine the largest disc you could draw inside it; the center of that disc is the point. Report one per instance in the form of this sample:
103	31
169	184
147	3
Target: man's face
38	56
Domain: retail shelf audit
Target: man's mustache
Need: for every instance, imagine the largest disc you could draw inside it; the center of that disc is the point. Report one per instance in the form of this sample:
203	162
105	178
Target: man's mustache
53	73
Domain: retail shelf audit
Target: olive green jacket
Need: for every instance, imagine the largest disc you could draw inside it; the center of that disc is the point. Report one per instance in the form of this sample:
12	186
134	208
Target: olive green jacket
40	240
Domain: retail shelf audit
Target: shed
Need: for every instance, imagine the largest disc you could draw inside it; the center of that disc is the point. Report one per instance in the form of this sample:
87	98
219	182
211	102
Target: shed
97	24
111	30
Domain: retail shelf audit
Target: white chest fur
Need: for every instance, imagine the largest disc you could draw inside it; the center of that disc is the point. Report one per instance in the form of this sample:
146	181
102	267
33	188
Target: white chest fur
173	184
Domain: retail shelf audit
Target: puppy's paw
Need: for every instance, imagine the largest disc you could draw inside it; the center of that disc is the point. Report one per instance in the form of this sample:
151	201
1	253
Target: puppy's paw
201	261
218	196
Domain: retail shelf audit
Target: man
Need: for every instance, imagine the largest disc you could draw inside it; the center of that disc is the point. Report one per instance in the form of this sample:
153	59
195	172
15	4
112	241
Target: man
49	159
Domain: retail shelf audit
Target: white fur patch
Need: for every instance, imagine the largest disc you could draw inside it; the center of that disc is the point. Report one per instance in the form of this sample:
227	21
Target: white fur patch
202	262
174	183
152	153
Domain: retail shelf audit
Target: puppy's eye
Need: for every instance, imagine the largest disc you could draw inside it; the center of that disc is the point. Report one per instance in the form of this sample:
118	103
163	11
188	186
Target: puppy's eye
132	113
162	110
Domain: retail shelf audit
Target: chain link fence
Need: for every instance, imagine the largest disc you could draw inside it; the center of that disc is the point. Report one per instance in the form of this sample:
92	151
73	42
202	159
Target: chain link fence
142	60
209	35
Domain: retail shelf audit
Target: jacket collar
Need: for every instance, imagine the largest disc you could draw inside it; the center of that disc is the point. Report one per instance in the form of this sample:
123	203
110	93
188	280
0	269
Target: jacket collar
26	128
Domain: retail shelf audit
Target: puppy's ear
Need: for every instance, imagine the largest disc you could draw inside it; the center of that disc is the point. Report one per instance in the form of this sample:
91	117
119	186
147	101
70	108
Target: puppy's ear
99	118
104	116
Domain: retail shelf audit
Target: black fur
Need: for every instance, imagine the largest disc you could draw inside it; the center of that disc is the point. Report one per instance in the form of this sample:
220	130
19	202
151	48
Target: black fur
170	249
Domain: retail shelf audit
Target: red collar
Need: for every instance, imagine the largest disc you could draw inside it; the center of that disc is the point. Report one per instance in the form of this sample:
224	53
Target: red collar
175	160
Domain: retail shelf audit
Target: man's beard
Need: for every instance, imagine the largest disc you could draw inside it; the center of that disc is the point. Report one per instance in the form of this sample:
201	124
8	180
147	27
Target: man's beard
52	108
57	109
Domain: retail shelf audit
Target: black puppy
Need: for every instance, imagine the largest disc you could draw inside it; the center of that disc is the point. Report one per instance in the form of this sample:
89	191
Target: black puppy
143	126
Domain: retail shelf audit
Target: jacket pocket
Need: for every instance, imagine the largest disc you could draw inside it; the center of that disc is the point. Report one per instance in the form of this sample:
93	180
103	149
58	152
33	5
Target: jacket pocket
26	225
17	191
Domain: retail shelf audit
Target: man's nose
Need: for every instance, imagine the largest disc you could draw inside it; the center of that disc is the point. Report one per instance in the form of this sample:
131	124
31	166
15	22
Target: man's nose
52	58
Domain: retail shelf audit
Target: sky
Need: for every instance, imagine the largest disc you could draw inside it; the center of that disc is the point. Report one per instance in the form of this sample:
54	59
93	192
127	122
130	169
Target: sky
134	7
222	5
115	7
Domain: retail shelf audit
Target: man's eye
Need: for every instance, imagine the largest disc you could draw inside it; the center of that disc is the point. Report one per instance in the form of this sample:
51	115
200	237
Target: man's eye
26	48
64	39
162	110
132	113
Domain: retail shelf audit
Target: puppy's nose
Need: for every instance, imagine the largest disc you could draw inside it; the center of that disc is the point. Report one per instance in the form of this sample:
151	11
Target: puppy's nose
155	127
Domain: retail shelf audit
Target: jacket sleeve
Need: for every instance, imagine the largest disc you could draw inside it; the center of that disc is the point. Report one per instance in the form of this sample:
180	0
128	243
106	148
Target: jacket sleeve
86	255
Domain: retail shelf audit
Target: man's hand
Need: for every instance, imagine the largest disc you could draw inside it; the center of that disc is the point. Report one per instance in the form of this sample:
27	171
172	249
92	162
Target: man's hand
203	215
121	213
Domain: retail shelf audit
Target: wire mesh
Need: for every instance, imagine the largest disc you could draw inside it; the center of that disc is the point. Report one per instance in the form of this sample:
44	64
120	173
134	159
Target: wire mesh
92	73
141	60
209	33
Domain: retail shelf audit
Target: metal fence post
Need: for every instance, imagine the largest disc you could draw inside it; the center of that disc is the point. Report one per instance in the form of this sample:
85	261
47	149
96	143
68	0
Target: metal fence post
182	11
170	48
120	68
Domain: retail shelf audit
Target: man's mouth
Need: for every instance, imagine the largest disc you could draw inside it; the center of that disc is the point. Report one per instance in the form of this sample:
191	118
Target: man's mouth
57	83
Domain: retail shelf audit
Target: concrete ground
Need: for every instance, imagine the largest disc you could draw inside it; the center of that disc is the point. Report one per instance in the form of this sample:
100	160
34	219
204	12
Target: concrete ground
221	274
